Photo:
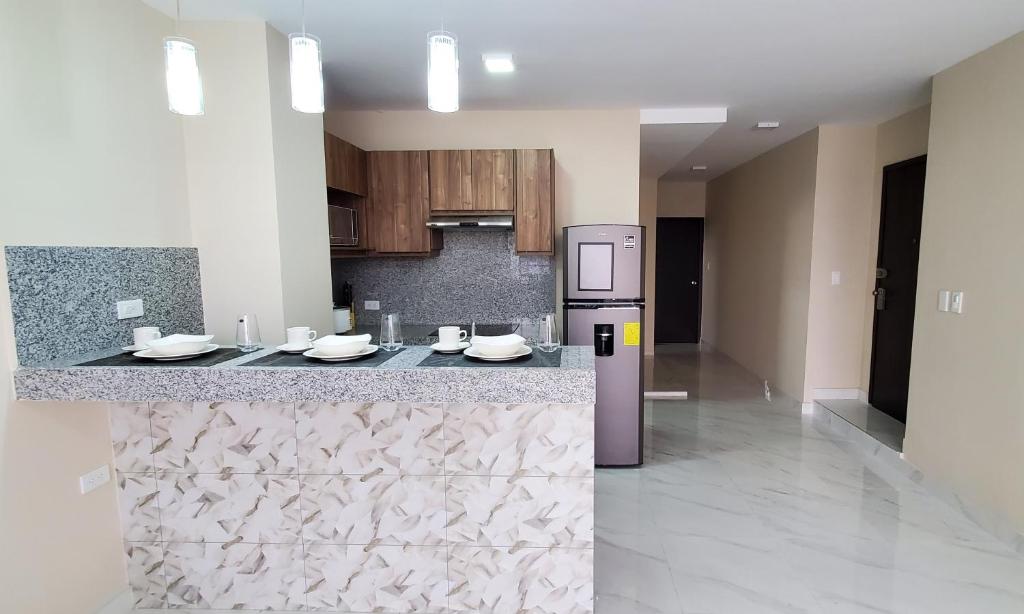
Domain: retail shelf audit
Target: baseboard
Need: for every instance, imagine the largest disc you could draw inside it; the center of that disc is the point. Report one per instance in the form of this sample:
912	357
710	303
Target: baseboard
659	395
120	604
862	396
837	393
807	408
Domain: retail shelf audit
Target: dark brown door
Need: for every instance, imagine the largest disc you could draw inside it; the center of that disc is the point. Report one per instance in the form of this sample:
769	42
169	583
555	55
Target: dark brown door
899	241
679	264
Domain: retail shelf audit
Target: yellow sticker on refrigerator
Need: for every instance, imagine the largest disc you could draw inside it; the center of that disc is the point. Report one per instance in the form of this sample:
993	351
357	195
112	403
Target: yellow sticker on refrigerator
631	333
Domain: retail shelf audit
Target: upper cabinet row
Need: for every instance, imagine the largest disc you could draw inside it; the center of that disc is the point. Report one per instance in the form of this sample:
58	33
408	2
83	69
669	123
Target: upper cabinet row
404	188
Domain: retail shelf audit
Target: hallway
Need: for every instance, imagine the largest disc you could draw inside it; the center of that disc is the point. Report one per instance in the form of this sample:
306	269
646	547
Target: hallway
744	506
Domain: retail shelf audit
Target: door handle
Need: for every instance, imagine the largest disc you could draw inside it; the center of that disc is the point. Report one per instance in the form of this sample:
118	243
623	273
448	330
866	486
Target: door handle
879	299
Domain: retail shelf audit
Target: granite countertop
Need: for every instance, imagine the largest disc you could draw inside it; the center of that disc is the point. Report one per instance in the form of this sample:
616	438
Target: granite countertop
398	378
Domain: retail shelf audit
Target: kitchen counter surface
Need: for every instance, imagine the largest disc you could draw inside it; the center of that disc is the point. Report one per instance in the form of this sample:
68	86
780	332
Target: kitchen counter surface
399	378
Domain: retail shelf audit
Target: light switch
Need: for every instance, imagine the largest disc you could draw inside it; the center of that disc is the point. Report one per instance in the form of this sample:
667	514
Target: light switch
943	300
94	479
835	278
956	302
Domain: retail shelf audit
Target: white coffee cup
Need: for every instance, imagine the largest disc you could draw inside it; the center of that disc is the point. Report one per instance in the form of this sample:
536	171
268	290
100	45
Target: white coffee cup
300	335
144	334
450	336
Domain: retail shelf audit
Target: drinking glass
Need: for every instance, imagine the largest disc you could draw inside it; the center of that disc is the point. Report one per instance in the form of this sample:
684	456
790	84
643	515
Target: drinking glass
390	332
247	333
548	340
529	330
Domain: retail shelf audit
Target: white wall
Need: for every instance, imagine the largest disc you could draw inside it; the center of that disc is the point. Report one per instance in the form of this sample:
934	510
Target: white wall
965	423
597	153
90	156
649	190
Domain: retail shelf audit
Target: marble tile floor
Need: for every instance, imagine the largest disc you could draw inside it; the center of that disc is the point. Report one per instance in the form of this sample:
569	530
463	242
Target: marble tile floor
743	506
874	422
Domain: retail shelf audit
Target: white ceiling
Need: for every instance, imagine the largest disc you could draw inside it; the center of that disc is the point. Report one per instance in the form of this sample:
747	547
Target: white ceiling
802	62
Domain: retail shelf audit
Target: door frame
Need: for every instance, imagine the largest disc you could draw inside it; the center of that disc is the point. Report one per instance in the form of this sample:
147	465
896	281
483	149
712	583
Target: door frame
878	263
700	273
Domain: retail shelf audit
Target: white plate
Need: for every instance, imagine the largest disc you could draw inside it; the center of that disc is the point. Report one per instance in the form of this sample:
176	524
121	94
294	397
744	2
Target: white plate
294	349
370	349
154	356
134	348
523	351
444	349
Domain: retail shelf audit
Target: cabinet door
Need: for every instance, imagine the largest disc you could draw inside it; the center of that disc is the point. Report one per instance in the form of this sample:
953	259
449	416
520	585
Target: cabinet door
535	201
345	165
451	181
493	180
400	202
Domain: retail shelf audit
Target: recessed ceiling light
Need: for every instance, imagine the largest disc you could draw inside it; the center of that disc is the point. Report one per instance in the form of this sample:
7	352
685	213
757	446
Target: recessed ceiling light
499	62
699	167
767	125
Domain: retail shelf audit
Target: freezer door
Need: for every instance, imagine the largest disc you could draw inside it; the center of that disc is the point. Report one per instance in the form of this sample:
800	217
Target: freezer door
617	336
604	262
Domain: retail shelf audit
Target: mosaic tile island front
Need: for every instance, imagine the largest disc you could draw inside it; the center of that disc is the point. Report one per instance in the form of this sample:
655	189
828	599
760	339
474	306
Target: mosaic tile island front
455	490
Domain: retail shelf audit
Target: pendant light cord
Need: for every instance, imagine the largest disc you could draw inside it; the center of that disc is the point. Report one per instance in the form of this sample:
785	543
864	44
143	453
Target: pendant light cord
303	18
177	17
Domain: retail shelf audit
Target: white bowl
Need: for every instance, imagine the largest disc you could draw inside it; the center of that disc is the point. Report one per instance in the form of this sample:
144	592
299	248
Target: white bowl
341	345
504	345
172	345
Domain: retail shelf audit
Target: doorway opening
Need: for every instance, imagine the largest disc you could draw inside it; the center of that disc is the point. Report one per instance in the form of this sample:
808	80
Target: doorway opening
899	242
679	267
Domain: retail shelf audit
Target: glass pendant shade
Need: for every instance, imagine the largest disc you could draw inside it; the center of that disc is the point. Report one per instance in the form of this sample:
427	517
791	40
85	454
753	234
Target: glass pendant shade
184	86
442	72
307	75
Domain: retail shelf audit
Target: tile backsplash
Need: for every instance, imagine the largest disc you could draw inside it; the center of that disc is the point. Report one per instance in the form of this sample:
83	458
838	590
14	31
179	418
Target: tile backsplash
63	298
476	277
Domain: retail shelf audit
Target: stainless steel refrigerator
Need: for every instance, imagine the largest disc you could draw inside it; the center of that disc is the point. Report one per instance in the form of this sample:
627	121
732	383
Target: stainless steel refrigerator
603	305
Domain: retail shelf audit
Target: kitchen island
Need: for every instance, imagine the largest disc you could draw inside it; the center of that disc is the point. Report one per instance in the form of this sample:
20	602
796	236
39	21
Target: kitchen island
396	487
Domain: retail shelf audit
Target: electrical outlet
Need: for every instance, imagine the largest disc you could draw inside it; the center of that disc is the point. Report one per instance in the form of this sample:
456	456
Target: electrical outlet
371	305
835	278
943	300
94	479
129	309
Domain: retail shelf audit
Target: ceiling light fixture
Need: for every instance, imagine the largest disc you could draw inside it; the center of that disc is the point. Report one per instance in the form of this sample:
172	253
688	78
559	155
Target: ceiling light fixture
767	125
181	66
442	72
499	63
307	76
699	167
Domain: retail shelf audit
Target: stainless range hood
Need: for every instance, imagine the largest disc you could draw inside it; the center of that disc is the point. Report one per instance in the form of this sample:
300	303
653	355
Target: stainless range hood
480	222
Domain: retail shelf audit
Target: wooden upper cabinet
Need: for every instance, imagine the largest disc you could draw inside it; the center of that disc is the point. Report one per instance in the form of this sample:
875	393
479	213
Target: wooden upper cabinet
494	180
400	202
535	201
345	164
451	181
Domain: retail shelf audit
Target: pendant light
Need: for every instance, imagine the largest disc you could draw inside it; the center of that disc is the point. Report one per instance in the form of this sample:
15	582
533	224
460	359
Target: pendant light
307	77
442	72
181	64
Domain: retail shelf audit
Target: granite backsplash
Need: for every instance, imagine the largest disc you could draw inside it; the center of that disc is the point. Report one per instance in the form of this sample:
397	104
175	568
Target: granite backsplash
63	298
476	277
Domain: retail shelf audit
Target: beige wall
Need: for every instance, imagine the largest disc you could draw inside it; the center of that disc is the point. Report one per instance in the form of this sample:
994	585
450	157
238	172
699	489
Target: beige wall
300	178
92	158
758	250
681	198
842	213
899	139
597	153
649	189
255	179
232	193
965	424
